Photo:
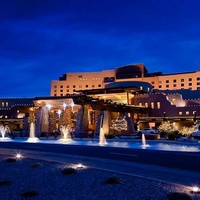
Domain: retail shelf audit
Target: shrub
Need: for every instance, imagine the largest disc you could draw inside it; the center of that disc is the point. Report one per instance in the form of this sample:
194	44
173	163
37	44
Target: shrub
179	196
10	160
109	136
173	135
69	171
30	193
36	165
5	182
113	180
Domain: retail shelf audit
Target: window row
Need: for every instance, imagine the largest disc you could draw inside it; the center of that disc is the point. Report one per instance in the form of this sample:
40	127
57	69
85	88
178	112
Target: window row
151	105
187	113
3	104
175	80
75	86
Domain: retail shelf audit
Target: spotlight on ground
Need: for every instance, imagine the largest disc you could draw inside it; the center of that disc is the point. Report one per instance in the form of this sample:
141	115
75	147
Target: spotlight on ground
19	156
195	189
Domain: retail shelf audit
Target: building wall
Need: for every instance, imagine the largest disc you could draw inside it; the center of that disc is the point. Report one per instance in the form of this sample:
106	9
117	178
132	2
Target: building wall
171	105
97	80
81	81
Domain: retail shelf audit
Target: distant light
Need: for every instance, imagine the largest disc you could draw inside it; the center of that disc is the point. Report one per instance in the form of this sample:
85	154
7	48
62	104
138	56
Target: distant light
59	112
18	156
64	105
79	165
49	106
195	189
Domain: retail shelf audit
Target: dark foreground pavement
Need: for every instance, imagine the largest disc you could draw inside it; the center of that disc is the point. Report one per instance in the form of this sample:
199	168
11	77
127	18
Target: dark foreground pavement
160	173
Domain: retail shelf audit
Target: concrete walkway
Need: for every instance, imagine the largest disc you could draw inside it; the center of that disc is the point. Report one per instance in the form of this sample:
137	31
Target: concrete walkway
163	174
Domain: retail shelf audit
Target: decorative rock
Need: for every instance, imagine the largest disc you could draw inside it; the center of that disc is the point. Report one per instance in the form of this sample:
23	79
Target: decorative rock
179	196
36	165
5	182
69	171
30	193
10	160
113	180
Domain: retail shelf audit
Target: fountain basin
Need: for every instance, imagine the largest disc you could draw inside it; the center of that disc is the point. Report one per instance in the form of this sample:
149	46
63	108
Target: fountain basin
151	145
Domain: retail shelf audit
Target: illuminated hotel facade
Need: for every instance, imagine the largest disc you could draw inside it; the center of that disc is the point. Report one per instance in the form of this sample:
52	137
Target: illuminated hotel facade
116	100
173	97
70	82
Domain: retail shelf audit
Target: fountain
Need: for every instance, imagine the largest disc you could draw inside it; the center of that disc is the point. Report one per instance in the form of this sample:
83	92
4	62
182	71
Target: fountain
65	130
144	144
3	130
32	137
102	138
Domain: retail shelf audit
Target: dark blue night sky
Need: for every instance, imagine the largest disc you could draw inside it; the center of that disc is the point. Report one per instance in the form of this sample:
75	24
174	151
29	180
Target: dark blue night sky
43	39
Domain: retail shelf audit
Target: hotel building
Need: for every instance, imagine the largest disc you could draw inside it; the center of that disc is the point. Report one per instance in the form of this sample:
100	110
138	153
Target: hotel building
70	82
116	100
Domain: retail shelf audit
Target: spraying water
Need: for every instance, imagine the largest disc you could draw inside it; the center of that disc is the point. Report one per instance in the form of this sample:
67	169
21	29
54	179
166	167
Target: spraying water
4	130
144	144
66	133
102	138
32	137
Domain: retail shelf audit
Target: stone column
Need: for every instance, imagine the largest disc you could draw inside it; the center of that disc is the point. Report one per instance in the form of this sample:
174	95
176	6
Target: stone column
82	122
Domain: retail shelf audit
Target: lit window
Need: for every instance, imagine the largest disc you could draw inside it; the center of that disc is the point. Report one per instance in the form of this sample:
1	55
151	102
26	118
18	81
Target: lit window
152	105
6	116
187	112
194	112
2	104
158	105
140	87
146	105
140	104
180	113
148	89
6	103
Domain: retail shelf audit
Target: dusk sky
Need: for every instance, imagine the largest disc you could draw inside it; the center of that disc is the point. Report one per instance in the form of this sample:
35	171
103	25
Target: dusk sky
43	39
